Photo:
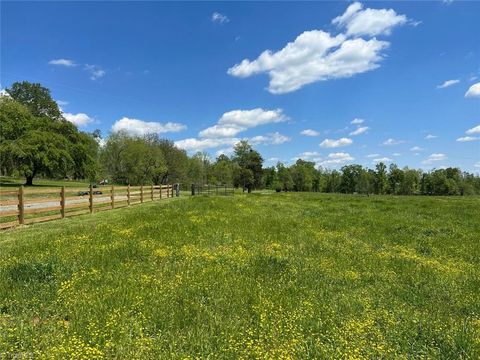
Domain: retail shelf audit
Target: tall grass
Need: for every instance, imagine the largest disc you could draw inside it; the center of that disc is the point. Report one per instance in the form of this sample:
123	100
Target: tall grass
257	276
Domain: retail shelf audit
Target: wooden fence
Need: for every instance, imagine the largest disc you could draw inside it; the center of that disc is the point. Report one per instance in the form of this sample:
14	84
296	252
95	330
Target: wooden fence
27	206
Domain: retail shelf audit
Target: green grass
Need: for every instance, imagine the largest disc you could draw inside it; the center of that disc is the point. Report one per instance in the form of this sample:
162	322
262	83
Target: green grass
11	182
258	276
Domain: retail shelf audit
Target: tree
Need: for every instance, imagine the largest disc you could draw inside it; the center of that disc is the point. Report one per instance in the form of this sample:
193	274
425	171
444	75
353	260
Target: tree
36	98
32	145
350	178
133	160
251	160
284	177
381	179
303	174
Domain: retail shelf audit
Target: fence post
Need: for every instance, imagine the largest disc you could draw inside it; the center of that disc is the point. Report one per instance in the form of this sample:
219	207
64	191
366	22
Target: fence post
171	190
128	194
62	202
21	205
90	199
112	196
141	193
161	190
151	194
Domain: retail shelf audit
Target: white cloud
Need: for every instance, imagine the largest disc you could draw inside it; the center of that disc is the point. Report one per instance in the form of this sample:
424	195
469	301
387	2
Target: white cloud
61	103
359	130
233	122
473	91
477	165
219	18
273	138
226	151
372	155
95	71
310	155
430	136
392	142
313	56
221	131
309	132
434	157
80	119
139	127
252	118
370	22
332	143
468	138
63	62
448	83
397	154
357	121
474	130
193	144
4	93
416	148
383	159
337	158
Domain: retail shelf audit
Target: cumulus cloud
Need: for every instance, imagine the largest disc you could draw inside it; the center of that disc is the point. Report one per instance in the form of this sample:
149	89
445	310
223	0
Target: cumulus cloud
95	71
434	157
309	155
273	138
467	138
371	22
477	165
193	144
473	91
313	56
474	130
332	143
448	83
80	119
219	18
373	155
226	151
430	137
221	131
357	121
383	159
63	62
337	159
359	130
309	132
139	127
416	148
233	122
392	142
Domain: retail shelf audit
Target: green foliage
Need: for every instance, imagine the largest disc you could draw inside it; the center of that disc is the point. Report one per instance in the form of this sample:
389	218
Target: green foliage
36	99
249	176
36	140
281	276
133	160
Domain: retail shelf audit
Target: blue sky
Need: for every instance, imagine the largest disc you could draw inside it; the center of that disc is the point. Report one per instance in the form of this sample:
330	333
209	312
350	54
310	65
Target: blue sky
290	77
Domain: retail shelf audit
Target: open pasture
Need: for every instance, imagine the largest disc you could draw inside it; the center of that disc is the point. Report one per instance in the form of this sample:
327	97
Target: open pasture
291	275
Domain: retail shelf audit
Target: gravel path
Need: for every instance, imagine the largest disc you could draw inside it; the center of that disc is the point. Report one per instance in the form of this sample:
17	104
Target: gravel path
57	203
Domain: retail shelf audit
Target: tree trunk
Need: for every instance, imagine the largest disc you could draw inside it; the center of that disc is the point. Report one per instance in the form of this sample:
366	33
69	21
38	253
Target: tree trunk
29	181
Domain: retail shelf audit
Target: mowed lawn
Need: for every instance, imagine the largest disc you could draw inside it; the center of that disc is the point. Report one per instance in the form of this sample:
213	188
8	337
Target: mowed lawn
257	276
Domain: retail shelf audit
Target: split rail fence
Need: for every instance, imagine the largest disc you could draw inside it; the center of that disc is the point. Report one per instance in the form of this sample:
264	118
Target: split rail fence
27	206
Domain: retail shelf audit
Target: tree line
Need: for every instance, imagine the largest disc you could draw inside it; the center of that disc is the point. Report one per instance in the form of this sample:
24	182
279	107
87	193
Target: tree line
37	141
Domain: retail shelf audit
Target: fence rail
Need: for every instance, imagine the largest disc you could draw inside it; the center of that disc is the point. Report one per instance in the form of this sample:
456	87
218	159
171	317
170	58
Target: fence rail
221	190
27	206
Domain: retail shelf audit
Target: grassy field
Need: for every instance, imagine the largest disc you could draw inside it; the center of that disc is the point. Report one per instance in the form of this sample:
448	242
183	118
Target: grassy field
257	276
9	182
